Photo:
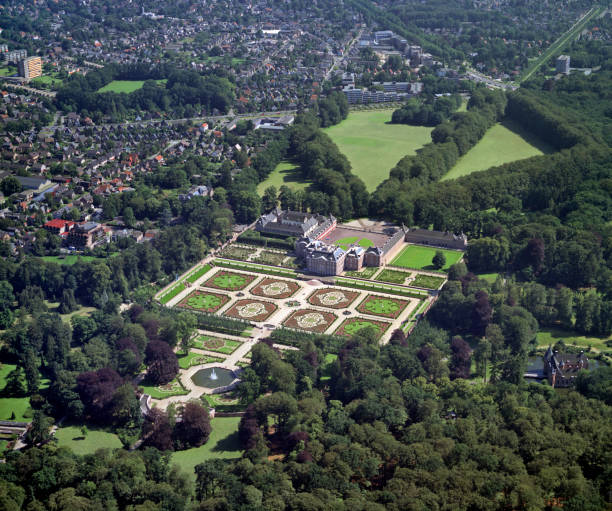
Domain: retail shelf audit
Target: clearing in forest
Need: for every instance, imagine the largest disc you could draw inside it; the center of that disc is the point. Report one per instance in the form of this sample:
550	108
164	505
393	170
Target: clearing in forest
505	142
373	146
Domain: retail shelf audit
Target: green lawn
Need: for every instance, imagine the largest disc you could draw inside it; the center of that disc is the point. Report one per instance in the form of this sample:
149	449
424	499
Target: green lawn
47	79
216	344
198	273
8	405
489	277
365	273
126	86
419	257
374	147
172	292
95	439
6	71
225	402
548	336
345	243
69	260
503	143
285	173
223	443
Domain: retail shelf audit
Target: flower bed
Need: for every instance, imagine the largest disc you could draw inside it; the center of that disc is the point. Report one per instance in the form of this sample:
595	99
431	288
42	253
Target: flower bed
229	281
393	276
427	281
204	301
382	306
196	359
310	320
239	253
352	325
332	298
275	288
216	344
271	258
251	310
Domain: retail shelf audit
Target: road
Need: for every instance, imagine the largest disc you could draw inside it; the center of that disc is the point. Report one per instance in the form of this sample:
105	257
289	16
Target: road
476	76
339	59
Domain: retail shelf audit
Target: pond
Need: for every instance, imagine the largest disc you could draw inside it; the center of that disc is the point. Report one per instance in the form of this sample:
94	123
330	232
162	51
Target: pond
213	377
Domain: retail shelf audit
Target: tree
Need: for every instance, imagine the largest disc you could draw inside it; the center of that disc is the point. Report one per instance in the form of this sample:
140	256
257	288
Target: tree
157	431
249	387
194	427
39	431
460	359
162	363
128	217
481	313
68	303
10	185
269	199
439	260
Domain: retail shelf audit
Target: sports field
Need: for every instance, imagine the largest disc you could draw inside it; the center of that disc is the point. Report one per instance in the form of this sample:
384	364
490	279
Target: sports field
222	443
126	86
95	439
285	173
345	243
374	147
503	143
419	257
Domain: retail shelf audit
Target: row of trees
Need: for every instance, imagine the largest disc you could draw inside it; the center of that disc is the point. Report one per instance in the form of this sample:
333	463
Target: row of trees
426	113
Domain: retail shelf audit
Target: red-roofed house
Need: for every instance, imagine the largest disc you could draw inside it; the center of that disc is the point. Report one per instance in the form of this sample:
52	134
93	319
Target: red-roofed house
58	226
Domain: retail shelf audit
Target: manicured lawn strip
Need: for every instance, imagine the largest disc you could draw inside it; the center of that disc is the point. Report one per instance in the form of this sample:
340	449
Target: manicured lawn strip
382	306
393	290
203	270
503	143
326	319
19	405
393	276
218	345
256	268
95	439
427	281
171	293
352	325
240	309
419	257
195	359
321	298
372	146
68	260
365	273
174	389
325	372
489	277
412	317
223	443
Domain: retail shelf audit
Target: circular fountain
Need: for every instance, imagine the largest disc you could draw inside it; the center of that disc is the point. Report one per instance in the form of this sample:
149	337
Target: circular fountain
213	377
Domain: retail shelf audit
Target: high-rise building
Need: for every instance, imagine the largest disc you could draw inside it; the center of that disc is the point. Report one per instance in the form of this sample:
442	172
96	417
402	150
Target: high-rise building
14	56
563	64
30	68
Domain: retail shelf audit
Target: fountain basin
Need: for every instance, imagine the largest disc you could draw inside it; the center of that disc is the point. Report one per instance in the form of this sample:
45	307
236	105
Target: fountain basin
206	377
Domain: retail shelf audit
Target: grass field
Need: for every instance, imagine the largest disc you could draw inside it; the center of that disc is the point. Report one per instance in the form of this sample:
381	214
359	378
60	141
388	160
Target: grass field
345	243
427	281
95	439
198	273
419	257
8	405
68	260
489	277
174	388
374	147
171	293
393	276
216	344
503	143
7	71
547	336
285	173
223	443
126	86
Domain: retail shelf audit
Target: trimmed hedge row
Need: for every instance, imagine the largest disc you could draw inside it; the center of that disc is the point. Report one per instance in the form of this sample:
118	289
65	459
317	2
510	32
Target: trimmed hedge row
257	268
380	288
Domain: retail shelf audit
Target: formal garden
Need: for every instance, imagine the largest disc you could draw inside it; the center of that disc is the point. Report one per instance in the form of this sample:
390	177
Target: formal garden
332	298
237	252
216	344
427	281
192	358
270	257
204	301
365	273
173	388
310	320
393	276
275	288
251	310
352	325
382	306
229	281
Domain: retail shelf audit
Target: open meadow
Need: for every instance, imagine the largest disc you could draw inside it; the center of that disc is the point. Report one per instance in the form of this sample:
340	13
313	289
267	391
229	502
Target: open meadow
373	146
95	439
126	86
420	257
503	143
285	173
223	443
